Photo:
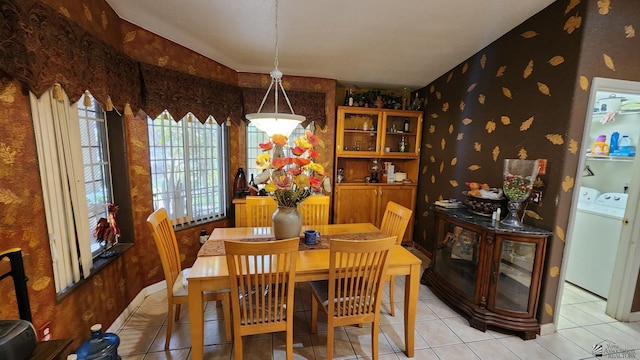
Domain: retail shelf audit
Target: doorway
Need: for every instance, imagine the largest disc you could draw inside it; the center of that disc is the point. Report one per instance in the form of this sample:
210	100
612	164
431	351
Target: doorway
600	256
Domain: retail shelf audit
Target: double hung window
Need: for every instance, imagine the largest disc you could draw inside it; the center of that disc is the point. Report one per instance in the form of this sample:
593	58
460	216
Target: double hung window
187	168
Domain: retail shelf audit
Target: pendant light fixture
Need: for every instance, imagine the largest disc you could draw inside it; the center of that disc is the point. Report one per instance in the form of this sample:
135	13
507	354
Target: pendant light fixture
275	122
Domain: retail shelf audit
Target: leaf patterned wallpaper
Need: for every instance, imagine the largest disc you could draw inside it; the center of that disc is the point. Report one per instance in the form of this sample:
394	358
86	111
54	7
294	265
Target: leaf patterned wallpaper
525	96
104	296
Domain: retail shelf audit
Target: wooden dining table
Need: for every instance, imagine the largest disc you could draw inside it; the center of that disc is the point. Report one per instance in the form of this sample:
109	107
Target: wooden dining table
209	272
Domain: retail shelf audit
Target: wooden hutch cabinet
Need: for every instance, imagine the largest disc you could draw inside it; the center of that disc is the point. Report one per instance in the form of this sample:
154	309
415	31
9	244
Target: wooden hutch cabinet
489	271
385	135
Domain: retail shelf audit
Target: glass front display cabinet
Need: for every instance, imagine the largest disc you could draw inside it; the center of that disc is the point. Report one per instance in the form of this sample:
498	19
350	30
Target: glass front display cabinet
490	272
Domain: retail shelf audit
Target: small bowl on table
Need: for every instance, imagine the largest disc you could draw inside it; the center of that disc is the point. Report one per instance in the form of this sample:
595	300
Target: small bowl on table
483	206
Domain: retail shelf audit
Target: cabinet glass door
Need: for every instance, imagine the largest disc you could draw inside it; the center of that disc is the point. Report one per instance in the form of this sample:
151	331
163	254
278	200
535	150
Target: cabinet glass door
514	274
457	258
360	133
401	133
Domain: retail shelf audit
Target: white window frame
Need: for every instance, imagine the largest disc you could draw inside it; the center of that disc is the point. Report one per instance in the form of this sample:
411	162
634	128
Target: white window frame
94	142
190	178
58	143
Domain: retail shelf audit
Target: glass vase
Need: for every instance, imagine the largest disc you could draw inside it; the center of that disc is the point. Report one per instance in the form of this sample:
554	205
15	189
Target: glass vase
518	178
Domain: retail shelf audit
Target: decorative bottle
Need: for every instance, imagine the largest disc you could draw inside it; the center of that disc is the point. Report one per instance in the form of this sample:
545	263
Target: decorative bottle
350	97
100	346
347	95
240	184
415	105
406	125
402	146
253	188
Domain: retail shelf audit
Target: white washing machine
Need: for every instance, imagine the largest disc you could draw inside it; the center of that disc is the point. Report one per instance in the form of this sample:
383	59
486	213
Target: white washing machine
594	244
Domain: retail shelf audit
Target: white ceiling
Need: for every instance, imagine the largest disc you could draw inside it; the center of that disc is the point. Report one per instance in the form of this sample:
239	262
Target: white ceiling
363	43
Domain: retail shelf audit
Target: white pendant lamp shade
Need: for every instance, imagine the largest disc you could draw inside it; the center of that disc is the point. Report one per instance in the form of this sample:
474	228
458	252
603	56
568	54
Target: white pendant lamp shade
275	122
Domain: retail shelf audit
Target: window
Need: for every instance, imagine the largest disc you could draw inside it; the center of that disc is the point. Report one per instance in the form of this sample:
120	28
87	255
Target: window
72	146
95	155
256	137
187	168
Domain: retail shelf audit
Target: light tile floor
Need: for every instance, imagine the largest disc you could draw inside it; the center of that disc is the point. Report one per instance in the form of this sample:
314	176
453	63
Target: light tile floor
441	333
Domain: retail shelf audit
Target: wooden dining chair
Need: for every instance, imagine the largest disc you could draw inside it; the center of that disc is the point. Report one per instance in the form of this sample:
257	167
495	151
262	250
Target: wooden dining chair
353	293
261	275
260	209
176	277
315	210
394	222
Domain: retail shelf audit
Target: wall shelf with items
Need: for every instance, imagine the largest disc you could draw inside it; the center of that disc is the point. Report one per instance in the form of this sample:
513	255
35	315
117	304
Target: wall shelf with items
611	158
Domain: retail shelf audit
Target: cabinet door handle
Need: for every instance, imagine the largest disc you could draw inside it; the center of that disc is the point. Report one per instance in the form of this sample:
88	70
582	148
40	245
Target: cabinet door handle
375	192
494	273
380	192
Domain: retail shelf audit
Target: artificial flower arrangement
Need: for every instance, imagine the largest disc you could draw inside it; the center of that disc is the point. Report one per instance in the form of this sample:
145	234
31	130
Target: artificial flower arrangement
290	179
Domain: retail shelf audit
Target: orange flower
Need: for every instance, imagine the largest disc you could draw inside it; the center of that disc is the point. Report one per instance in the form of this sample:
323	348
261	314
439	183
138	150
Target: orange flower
279	163
279	139
301	161
313	154
297	151
313	139
266	146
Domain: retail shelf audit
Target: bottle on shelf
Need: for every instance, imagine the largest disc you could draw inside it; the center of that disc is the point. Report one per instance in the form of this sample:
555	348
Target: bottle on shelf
415	105
253	188
626	146
613	143
240	184
350	100
406	125
347	95
600	147
402	145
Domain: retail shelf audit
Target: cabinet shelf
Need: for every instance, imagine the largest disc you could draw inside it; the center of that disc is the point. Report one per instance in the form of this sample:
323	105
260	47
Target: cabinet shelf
611	158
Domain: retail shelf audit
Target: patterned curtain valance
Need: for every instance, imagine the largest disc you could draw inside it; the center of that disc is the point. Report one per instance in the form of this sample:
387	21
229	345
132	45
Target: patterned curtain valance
180	93
41	47
309	104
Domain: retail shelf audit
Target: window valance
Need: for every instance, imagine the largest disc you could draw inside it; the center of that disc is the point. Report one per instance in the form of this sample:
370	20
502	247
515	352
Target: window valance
309	104
180	93
41	47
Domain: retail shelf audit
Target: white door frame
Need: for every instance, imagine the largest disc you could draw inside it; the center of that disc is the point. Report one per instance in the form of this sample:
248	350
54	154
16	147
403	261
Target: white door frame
627	262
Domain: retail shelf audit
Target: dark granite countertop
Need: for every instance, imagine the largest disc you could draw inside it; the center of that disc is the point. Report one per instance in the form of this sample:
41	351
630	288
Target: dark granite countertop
485	222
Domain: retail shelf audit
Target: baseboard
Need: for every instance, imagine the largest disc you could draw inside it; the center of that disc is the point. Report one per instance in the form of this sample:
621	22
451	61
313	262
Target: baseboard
546	329
131	308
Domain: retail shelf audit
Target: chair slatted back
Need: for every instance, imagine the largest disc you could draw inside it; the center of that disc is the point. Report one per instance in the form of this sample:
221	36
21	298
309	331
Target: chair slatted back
357	272
315	210
395	220
262	278
260	210
165	239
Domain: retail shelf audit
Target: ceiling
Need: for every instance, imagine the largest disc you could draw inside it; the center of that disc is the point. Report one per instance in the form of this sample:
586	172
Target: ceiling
362	43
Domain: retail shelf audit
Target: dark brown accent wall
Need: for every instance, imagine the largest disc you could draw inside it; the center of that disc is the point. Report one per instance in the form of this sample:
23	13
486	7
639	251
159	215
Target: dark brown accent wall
524	96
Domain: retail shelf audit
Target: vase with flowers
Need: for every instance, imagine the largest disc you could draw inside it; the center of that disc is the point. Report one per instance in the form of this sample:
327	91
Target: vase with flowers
291	175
